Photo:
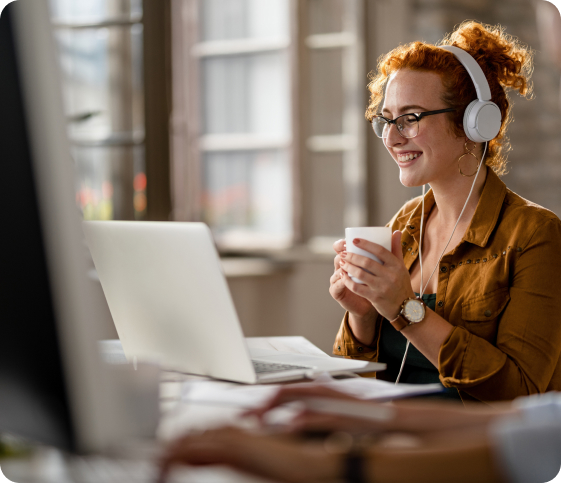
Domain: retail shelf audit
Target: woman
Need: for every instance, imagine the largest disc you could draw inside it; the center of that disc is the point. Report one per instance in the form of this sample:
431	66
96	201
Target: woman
492	264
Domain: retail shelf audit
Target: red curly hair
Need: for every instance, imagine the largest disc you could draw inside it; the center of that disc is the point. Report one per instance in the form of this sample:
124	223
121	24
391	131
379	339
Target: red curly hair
505	61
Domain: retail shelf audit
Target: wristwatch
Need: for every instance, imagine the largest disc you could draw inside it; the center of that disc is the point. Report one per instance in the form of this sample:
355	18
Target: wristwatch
412	312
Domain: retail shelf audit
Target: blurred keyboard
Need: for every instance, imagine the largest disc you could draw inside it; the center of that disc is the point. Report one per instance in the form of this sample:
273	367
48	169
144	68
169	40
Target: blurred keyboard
264	367
92	469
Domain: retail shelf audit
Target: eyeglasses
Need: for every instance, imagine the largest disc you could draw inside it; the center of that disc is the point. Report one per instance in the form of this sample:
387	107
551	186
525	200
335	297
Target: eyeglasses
407	124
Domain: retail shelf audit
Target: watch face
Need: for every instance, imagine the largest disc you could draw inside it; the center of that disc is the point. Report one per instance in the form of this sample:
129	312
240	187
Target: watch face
414	311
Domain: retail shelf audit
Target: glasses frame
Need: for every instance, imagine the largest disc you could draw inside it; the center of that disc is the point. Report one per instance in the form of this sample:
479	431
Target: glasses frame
417	115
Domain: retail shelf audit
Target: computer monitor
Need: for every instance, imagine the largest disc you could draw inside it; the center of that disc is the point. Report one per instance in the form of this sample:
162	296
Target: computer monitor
53	386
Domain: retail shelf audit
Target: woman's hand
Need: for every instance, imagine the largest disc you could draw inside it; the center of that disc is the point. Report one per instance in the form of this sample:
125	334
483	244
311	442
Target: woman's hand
355	304
387	285
279	458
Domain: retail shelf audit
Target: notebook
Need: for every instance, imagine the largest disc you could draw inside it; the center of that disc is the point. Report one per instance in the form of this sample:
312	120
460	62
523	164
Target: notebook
170	302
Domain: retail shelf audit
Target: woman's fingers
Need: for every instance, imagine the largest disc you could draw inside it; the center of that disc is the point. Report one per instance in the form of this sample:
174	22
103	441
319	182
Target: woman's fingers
339	246
336	278
388	259
364	290
340	256
396	245
385	256
363	272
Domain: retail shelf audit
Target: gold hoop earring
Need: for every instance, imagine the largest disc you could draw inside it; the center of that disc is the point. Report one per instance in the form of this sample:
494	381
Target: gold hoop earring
468	152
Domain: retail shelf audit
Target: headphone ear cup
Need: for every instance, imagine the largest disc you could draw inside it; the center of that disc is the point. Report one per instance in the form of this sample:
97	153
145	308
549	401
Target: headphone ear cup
482	121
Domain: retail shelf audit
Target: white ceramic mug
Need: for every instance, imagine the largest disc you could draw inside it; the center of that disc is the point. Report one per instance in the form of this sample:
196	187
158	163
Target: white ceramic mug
382	235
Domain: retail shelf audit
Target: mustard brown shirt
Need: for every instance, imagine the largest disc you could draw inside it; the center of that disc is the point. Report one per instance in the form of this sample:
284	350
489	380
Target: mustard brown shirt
501	290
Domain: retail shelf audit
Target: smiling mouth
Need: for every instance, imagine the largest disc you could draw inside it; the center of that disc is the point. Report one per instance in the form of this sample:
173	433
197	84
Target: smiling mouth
404	158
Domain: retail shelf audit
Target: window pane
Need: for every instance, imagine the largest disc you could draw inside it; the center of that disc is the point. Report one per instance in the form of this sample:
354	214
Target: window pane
326	92
326	195
247	94
238	19
248	193
89	11
102	73
109	182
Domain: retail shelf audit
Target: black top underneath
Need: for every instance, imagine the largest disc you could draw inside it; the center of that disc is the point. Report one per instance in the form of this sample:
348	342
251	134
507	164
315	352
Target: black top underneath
418	369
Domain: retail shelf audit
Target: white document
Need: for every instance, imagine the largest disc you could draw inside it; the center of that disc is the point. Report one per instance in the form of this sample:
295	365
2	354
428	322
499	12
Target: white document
228	394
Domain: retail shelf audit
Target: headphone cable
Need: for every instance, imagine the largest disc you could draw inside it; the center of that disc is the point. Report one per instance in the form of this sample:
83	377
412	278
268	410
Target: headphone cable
422	289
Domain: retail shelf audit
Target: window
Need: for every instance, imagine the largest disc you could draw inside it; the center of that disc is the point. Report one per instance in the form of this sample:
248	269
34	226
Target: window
265	106
238	112
101	52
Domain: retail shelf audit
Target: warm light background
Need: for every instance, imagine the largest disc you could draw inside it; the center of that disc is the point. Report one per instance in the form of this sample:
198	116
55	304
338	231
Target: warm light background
249	115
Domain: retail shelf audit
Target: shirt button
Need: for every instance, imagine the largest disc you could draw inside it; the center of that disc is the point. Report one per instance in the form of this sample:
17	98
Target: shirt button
440	303
403	244
477	261
360	349
412	227
495	255
519	249
504	253
409	249
468	261
484	259
459	264
452	266
487	313
443	269
338	347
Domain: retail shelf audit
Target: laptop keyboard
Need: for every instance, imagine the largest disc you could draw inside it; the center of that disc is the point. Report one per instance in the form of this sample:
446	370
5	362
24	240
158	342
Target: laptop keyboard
268	367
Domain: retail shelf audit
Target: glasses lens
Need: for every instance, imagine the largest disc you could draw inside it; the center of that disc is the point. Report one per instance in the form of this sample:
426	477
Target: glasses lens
408	126
380	126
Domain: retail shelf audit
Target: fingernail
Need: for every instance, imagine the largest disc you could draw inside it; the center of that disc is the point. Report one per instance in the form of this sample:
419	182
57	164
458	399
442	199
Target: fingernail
356	241
342	263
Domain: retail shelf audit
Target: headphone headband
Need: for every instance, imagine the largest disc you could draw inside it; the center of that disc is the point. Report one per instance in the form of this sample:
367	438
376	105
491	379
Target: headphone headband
482	117
474	70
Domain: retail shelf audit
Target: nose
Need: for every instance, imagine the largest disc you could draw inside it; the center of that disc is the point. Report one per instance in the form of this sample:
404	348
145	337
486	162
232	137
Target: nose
393	137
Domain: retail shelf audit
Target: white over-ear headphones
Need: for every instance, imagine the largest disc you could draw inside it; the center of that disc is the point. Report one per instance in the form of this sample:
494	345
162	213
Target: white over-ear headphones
482	117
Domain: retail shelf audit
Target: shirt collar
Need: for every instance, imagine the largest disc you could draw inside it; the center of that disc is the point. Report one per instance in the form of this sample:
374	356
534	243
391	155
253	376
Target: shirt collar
483	221
487	211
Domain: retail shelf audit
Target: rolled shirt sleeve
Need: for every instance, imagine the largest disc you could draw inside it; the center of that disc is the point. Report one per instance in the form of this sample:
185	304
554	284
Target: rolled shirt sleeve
348	346
528	344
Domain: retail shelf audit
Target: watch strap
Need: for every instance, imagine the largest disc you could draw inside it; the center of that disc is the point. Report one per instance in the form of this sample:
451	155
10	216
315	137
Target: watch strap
399	323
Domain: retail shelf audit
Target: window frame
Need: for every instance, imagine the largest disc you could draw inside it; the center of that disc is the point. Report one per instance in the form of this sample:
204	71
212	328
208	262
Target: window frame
154	138
188	146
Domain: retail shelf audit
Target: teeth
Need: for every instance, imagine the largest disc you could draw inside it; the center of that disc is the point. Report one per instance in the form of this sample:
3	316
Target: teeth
407	157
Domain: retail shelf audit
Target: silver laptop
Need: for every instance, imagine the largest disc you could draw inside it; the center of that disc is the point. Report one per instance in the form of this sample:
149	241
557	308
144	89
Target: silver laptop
170	301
